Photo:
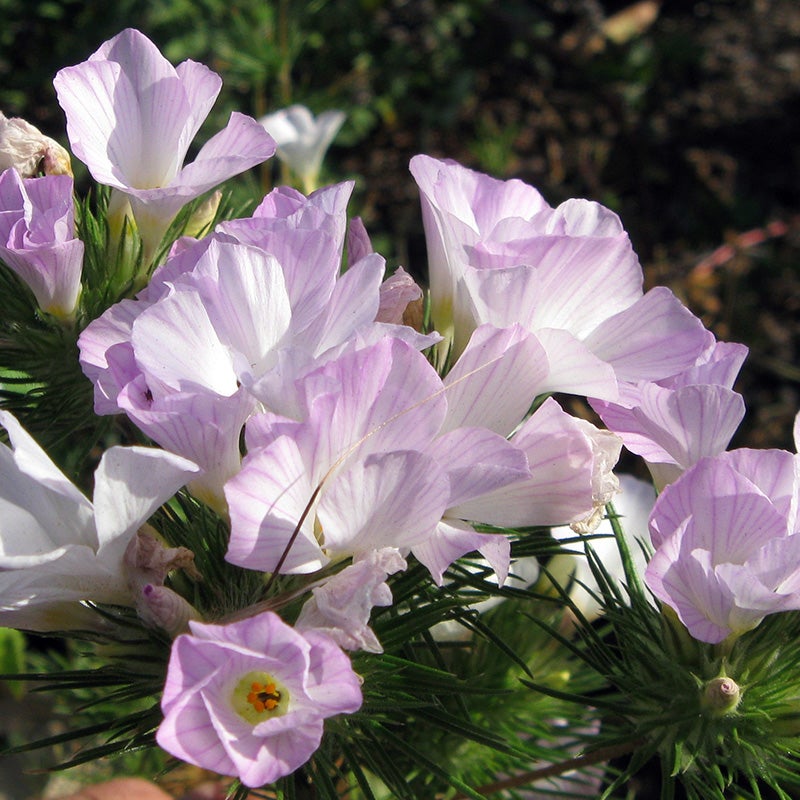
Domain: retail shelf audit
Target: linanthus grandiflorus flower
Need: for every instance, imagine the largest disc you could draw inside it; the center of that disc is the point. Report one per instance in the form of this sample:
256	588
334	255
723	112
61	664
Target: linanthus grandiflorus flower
499	254
250	698
247	311
131	117
37	239
727	544
56	547
303	139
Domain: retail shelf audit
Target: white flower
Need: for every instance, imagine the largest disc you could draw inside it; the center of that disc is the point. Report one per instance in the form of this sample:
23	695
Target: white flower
57	548
303	140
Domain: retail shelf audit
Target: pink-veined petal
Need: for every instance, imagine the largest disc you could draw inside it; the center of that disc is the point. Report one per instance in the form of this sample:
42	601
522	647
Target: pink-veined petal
495	380
453	539
477	461
655	337
387	500
268	499
561	462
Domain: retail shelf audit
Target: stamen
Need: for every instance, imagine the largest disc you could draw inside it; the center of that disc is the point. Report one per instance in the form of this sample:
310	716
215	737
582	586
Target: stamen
263	697
258	696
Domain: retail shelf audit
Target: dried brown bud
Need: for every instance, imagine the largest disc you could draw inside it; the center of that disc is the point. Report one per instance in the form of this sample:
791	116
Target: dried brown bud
400	301
26	149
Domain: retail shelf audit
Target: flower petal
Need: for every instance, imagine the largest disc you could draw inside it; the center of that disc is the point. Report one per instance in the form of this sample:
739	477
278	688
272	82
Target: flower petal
655	337
130	484
495	380
268	499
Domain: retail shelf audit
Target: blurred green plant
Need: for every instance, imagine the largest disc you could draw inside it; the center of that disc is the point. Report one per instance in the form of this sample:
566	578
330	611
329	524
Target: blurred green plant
39	37
12	657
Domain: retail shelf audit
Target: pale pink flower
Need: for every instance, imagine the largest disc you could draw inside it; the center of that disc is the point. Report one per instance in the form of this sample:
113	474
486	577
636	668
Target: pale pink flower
312	491
570	472
37	239
727	544
250	699
131	117
353	475
245	313
499	254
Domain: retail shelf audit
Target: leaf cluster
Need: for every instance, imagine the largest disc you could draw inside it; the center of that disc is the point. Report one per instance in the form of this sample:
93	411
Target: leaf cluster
653	700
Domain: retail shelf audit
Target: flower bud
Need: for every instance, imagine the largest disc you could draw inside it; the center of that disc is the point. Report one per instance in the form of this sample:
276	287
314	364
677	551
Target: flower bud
162	608
147	562
28	150
721	696
200	221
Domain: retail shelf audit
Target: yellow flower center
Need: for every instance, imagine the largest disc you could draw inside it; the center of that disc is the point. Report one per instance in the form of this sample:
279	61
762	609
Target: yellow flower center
258	696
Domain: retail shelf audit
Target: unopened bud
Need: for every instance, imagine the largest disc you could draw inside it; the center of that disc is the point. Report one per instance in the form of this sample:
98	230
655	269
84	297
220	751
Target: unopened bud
147	562
200	221
721	696
162	608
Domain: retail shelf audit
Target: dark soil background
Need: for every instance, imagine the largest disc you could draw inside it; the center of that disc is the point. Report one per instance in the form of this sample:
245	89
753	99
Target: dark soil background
690	131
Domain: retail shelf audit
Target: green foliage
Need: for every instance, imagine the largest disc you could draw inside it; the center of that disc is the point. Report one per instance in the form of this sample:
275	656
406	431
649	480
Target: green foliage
240	40
40	379
656	705
109	695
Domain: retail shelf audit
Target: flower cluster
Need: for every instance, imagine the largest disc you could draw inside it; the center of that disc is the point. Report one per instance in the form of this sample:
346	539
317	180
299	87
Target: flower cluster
340	443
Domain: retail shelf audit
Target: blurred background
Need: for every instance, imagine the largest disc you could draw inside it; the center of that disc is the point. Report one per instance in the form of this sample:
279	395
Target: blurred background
680	116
